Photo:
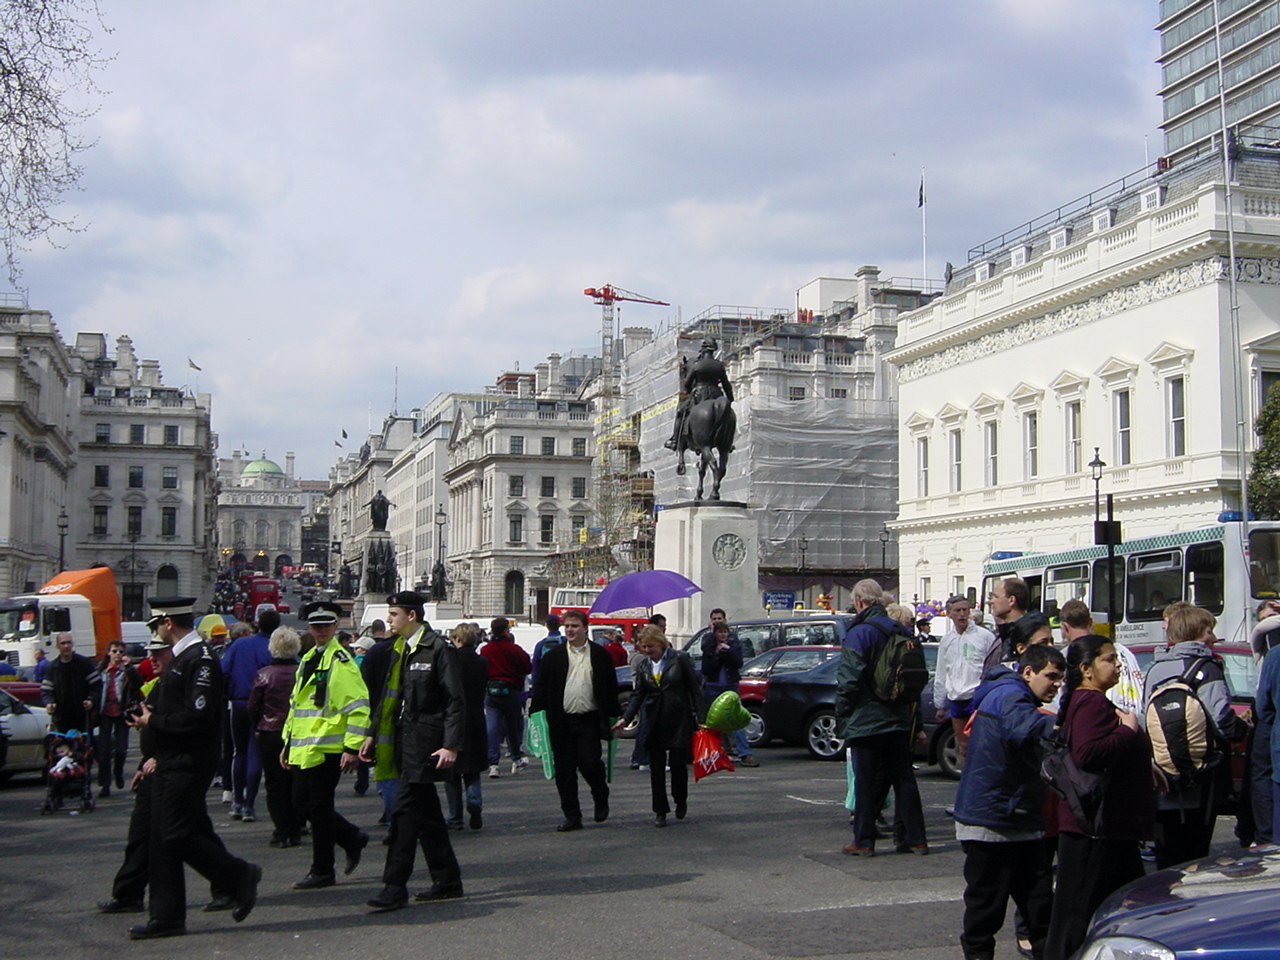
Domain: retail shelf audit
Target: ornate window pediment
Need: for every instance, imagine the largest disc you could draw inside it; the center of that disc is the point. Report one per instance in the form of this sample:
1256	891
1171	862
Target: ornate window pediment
951	415
1026	397
918	424
1069	385
1116	371
986	406
1170	358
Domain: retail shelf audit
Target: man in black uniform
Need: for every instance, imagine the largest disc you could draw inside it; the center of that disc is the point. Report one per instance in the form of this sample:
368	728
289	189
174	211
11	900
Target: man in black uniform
184	720
430	729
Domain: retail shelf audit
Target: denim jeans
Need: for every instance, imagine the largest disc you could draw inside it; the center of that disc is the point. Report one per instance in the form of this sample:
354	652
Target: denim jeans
453	790
387	791
504	716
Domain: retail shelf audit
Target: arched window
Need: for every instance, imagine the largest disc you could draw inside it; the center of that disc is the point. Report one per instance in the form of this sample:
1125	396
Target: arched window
284	535
167	581
513	594
262	531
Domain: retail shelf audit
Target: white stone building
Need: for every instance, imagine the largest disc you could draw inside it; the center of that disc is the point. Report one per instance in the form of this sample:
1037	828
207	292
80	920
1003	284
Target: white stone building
37	448
143	501
519	481
260	509
1108	327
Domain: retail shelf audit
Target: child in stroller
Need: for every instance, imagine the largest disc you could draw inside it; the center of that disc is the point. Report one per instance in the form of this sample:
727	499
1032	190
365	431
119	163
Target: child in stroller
70	768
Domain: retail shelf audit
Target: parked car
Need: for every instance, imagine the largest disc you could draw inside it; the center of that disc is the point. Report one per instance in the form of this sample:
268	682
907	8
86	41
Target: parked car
22	732
799	709
1226	907
754	683
757	636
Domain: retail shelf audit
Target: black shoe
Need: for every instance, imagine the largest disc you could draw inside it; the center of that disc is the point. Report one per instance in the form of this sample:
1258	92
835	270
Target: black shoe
570	823
391	898
314	881
104	792
219	903
477	821
660	820
119	783
154	929
602	811
278	843
440	891
455	825
361	790
247	895
355	851
681	810
120	905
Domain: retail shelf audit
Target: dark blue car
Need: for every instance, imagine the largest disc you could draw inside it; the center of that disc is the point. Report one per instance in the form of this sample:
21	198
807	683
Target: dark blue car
1225	907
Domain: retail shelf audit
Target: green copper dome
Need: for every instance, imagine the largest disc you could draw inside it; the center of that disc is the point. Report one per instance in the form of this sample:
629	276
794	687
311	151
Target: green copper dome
262	467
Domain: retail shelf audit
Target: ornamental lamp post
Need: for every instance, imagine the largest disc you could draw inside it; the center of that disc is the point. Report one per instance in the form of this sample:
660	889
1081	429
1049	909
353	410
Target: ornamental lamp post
804	549
1095	472
64	523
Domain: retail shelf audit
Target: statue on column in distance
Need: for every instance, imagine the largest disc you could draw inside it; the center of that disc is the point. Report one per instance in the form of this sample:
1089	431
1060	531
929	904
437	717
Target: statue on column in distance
439	586
379	510
705	421
346	582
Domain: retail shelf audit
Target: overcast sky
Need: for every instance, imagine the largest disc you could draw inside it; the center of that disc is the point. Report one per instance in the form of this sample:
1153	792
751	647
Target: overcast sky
302	195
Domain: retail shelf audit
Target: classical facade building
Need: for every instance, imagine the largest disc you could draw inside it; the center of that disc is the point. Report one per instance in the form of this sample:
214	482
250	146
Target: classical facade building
37	448
519	480
260	510
143	501
1108	326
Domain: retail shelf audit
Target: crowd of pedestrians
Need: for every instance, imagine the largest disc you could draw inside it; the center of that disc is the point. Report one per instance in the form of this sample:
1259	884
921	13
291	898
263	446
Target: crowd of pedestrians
410	708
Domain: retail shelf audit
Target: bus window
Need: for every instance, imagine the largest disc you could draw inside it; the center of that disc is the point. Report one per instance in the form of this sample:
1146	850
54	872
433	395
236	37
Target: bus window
1155	581
1205	576
1063	584
1264	564
1101	590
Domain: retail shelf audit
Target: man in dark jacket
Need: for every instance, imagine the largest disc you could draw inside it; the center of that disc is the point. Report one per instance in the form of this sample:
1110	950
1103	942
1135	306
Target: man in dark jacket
577	686
424	690
721	663
241	661
71	687
879	732
1000	804
375	669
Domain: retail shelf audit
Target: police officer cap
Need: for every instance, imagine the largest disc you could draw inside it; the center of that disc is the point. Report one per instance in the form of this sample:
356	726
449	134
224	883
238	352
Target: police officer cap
321	612
170	607
406	599
156	645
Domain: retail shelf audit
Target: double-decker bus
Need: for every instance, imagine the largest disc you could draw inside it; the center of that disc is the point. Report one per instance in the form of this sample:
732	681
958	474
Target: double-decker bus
626	622
1214	567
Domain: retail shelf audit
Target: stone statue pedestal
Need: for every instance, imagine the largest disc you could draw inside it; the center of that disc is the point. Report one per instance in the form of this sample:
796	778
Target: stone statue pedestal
377	543
715	544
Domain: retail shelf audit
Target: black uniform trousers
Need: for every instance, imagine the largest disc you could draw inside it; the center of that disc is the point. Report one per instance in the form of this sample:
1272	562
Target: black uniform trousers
132	877
575	746
313	790
416	818
994	872
182	833
286	821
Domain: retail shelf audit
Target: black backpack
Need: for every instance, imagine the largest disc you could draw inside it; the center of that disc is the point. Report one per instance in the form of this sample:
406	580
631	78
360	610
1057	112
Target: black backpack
1081	790
1184	738
901	672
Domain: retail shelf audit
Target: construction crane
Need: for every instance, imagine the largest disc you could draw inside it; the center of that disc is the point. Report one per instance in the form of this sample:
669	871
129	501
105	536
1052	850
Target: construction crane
607	296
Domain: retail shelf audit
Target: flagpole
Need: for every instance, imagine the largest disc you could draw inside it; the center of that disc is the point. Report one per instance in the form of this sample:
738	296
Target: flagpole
924	229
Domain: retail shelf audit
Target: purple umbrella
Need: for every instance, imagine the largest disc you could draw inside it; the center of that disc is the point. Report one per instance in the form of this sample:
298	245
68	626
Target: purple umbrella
644	588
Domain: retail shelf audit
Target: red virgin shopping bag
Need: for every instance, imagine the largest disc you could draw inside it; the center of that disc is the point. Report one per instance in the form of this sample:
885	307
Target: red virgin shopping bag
708	754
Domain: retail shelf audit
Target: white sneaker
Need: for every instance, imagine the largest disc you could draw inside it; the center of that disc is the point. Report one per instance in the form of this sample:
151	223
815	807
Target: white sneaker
494	772
518	765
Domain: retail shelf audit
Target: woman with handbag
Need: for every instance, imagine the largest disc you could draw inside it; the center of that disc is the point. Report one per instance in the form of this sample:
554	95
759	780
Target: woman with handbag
1096	859
668	686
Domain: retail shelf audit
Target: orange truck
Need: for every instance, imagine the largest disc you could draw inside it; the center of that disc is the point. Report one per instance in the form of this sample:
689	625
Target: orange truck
84	603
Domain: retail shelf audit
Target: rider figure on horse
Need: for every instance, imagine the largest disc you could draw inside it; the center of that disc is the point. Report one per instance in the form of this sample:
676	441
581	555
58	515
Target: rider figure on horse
704	379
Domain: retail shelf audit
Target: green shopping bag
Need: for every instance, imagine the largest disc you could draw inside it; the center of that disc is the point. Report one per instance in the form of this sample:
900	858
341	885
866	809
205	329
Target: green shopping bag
537	741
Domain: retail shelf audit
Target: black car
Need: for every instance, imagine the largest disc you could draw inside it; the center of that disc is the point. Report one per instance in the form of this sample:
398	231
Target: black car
799	708
757	636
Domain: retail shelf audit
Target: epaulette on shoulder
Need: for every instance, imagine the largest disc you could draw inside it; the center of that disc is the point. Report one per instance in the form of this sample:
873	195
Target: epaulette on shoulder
342	656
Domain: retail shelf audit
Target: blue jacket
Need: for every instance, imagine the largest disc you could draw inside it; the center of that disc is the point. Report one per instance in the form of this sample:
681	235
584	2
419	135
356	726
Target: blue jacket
1000	786
1268	705
241	663
859	712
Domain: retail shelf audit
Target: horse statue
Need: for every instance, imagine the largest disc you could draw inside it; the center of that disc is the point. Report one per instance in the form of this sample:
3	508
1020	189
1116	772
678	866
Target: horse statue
705	421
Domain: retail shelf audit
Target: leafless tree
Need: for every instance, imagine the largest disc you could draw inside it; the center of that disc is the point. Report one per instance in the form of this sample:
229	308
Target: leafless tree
48	56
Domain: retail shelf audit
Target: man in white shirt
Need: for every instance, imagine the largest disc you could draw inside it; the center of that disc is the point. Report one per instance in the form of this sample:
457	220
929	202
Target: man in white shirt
963	657
577	686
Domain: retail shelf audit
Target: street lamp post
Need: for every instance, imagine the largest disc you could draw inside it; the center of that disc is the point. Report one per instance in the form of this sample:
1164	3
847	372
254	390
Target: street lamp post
884	549
804	549
64	523
1105	532
1095	471
440	592
133	574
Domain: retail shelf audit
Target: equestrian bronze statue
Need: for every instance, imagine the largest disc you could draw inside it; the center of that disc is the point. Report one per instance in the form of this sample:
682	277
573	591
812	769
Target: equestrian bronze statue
705	421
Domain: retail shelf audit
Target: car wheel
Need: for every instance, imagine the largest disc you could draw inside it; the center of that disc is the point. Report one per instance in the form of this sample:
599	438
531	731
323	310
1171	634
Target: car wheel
757	733
820	736
947	752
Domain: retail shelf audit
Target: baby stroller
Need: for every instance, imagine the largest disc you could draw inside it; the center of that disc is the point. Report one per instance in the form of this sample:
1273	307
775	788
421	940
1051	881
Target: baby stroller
69	771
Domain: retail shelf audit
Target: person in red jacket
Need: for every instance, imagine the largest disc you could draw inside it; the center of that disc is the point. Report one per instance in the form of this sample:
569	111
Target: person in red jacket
509	664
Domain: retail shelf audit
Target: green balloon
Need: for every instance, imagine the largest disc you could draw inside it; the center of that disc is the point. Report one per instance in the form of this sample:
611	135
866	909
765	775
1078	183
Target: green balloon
727	713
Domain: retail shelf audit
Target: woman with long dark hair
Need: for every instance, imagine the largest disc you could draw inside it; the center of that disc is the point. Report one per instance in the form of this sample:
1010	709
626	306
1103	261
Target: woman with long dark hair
1106	741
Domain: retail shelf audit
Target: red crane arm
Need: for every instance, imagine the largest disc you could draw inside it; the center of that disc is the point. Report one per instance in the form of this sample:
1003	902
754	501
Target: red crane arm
612	294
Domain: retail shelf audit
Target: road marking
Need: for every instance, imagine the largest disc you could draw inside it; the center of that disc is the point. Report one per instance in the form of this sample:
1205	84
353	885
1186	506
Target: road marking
819	803
907	899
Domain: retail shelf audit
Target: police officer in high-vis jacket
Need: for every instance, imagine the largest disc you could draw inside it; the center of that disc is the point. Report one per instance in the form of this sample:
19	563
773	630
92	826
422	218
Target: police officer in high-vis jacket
328	721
